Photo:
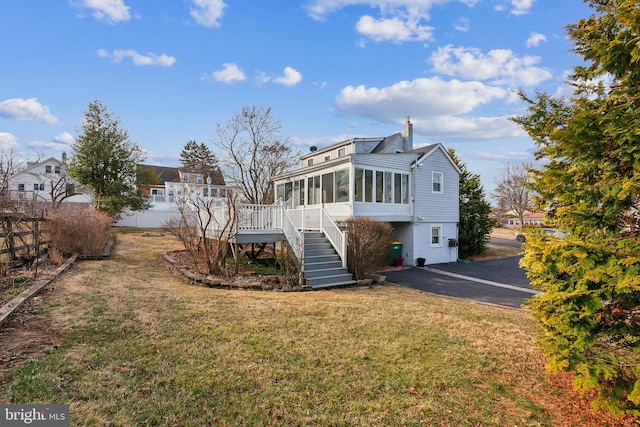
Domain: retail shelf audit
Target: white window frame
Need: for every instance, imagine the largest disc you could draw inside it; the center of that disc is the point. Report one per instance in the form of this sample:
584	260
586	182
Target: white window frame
439	228
441	176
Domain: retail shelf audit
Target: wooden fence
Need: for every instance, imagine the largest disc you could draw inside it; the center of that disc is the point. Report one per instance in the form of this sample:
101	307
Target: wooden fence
20	238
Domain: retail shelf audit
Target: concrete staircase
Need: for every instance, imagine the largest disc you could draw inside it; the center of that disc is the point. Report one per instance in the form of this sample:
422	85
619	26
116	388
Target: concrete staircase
322	265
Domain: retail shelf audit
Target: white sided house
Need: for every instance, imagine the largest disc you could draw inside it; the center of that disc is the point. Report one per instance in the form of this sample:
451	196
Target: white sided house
47	183
387	179
172	188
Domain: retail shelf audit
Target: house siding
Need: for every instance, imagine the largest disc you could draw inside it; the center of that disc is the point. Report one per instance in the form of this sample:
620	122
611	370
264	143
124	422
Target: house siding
434	254
436	207
46	173
390	162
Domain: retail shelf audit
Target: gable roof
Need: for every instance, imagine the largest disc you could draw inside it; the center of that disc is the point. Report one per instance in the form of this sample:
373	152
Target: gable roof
386	141
165	173
31	166
427	150
172	174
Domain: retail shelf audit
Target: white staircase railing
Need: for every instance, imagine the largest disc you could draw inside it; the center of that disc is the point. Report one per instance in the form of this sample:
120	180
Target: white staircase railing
337	237
292	234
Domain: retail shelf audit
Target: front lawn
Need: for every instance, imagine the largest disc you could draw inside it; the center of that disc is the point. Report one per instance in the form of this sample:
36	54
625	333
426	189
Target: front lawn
141	347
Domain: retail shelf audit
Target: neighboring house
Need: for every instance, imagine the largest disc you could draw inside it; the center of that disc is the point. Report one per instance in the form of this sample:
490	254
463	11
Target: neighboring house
47	183
534	219
387	179
531	219
173	186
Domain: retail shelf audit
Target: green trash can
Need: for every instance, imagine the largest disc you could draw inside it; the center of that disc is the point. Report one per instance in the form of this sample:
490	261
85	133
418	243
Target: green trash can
396	253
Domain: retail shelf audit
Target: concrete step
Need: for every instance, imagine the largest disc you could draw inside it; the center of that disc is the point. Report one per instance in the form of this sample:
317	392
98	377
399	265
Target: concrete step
315	240
312	259
334	285
335	278
310	274
318	246
308	252
314	234
312	266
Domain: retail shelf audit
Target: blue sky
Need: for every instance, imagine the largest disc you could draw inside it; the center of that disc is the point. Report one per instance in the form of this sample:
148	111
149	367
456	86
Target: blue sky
330	70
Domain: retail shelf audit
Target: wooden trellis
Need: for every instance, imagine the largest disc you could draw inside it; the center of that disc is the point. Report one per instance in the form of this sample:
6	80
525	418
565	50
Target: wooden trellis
20	239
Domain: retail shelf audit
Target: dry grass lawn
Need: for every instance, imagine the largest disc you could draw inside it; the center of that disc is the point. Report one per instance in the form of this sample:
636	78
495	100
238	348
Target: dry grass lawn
132	344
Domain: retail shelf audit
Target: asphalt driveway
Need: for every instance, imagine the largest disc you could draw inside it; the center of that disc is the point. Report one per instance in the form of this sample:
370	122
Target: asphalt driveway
500	282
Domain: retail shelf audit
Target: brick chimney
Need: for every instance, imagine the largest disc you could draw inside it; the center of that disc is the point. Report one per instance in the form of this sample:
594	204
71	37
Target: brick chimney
407	135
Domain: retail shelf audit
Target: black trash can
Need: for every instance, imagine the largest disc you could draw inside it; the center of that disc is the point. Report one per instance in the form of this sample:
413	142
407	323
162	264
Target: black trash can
421	262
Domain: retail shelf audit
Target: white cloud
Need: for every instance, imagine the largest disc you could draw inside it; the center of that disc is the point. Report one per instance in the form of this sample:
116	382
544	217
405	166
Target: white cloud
7	141
319	9
399	20
395	29
138	59
27	109
501	66
230	73
110	11
47	146
430	96
521	7
291	77
535	39
504	156
462	24
64	138
208	13
60	143
438	108
518	7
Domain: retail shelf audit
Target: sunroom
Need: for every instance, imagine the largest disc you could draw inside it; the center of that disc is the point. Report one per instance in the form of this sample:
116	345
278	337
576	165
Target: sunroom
347	189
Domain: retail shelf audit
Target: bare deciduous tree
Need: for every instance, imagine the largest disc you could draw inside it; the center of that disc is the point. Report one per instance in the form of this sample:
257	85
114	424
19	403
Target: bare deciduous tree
255	152
205	225
8	166
59	187
512	190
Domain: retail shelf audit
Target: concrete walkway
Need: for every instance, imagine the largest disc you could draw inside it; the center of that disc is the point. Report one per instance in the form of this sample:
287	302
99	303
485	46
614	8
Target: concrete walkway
500	282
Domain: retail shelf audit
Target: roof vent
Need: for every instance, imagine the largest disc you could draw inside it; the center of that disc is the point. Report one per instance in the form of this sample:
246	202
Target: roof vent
313	148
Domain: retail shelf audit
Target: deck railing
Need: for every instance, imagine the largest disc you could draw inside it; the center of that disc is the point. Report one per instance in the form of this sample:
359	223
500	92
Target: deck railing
292	222
259	217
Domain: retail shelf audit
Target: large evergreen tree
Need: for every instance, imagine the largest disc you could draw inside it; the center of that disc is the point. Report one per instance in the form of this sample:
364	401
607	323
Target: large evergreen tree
197	157
475	224
106	161
589	312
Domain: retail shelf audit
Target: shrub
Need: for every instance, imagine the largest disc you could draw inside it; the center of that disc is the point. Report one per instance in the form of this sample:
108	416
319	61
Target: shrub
288	264
83	231
368	245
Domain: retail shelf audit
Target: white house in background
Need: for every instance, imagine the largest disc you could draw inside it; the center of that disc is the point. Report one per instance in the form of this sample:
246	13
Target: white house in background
384	178
172	186
47	182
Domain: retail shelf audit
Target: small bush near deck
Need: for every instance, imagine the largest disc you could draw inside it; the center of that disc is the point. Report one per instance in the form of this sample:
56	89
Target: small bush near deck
368	245
85	231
